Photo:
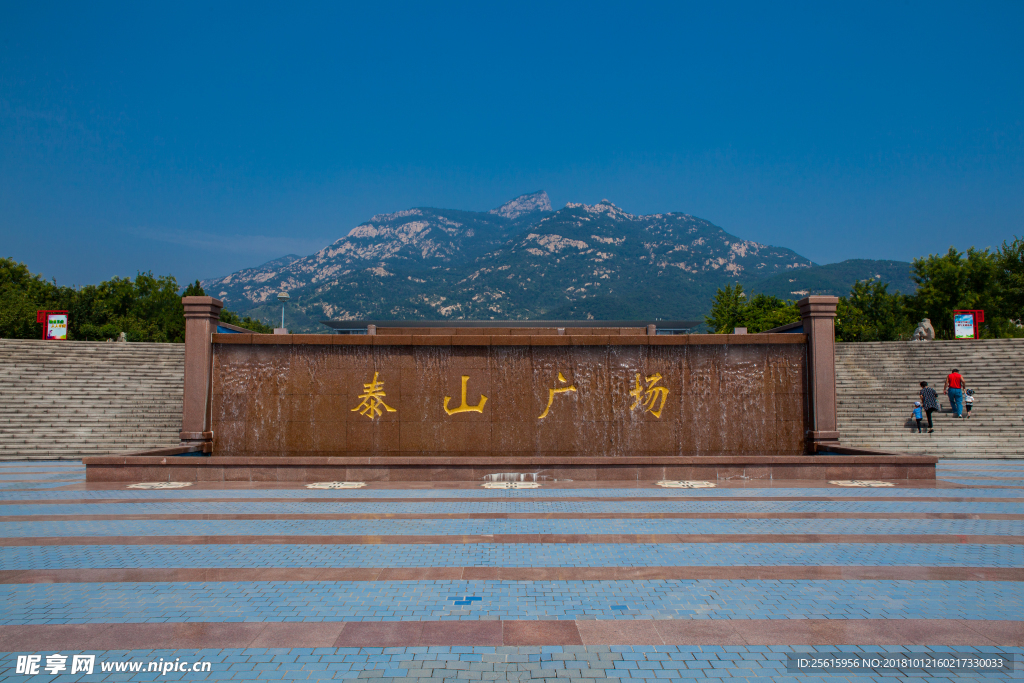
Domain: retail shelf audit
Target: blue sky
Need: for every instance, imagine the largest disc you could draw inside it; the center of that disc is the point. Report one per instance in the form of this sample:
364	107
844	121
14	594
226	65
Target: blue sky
197	139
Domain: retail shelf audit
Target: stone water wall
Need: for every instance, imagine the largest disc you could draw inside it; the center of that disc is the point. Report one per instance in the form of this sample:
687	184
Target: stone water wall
542	395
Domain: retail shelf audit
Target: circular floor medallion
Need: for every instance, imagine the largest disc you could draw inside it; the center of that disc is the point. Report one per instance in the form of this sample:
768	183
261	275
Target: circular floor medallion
861	482
337	485
511	485
160	485
672	484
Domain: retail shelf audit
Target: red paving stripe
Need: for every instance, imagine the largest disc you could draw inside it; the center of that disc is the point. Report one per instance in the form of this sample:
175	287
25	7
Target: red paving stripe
503	574
782	573
512	573
527	499
54	638
518	515
541	632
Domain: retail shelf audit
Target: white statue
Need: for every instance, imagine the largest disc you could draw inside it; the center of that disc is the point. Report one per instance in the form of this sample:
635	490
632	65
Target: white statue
924	331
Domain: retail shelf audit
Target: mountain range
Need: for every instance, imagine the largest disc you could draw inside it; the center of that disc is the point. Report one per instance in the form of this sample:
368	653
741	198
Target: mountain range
523	260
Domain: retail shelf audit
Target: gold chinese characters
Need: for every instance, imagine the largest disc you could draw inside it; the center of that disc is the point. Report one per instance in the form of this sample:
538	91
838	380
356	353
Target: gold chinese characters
373	400
552	392
478	408
650	395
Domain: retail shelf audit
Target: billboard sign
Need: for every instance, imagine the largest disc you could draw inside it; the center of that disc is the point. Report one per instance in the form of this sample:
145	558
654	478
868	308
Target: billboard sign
965	324
55	324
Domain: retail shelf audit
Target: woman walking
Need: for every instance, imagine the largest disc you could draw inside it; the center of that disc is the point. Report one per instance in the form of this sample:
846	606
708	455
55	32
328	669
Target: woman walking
929	402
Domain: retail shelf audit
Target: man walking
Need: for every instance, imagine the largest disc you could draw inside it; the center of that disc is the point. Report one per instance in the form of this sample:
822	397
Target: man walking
954	388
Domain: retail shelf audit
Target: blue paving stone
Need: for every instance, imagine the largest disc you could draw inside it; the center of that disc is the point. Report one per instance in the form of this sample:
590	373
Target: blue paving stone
459	600
514	555
14	486
376	600
37	475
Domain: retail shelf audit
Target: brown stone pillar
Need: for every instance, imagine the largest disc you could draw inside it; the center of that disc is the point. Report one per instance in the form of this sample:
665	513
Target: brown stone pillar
818	314
201	316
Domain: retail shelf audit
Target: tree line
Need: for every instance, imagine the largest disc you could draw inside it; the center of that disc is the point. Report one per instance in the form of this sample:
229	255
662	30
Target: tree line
146	309
149	309
992	281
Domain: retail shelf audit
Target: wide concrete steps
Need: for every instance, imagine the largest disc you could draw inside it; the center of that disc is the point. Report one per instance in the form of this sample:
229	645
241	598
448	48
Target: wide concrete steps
878	382
88	398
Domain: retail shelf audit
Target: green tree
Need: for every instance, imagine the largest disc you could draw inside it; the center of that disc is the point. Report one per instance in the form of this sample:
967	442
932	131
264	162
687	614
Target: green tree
248	323
21	295
730	309
194	289
871	313
726	309
1010	267
17	313
959	280
145	309
764	312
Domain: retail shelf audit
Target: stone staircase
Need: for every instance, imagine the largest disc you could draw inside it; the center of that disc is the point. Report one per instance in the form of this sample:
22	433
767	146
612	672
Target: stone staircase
877	384
61	399
67	398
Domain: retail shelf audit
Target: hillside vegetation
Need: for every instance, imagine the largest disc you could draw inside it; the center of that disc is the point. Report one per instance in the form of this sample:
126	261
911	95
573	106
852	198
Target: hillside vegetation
990	281
146	309
524	261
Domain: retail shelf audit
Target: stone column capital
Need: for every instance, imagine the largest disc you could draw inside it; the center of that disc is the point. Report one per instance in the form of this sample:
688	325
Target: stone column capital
202	307
818	306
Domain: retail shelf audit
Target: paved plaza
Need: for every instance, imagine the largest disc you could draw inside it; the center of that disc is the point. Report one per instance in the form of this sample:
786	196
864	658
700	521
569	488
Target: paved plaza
584	581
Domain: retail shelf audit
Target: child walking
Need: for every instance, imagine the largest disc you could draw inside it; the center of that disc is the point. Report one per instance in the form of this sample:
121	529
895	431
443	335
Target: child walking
969	402
918	416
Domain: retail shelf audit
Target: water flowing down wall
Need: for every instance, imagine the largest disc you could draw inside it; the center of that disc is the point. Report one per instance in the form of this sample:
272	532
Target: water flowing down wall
493	402
347	396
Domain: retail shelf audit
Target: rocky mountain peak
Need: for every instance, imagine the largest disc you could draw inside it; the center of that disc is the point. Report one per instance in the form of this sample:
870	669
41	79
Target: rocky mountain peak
519	261
524	204
603	207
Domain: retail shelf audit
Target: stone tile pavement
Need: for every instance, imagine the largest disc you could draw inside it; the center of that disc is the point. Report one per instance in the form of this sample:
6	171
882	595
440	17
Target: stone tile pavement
734	628
75	603
510	555
563	664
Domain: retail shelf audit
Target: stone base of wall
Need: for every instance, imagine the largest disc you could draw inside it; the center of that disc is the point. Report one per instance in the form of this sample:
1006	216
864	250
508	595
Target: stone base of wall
152	468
